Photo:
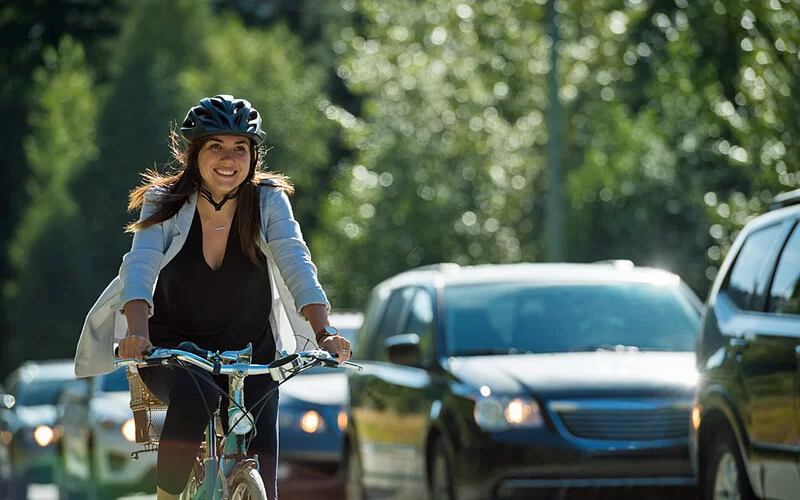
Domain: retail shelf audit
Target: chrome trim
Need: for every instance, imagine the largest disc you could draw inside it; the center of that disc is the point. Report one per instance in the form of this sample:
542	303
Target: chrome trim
621	404
633	404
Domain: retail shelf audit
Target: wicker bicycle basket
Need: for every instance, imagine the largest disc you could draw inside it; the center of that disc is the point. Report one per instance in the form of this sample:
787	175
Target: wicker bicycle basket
148	412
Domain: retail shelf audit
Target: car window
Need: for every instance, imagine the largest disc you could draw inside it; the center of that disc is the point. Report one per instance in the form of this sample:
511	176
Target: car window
520	317
420	321
394	313
116	381
742	280
39	392
784	295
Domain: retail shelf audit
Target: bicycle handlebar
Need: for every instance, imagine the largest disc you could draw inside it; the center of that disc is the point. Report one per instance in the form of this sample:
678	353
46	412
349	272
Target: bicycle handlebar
228	363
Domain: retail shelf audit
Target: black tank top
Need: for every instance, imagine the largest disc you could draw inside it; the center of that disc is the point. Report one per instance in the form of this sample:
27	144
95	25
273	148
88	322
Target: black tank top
217	310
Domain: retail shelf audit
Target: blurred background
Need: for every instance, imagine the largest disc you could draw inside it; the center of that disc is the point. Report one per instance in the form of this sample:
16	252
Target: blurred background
415	132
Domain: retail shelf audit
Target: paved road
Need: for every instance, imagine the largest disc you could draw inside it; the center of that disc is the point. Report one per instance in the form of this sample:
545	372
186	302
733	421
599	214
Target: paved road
50	492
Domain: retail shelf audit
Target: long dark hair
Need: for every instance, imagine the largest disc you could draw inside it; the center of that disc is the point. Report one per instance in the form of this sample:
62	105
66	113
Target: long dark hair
185	180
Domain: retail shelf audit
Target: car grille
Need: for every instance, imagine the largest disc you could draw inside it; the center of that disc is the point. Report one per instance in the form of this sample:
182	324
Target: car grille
608	424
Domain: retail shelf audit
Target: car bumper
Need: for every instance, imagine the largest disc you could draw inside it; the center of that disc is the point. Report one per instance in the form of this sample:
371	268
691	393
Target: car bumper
117	469
34	463
503	469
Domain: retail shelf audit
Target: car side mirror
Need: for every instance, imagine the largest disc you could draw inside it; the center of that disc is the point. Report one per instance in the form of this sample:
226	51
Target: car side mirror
404	349
8	400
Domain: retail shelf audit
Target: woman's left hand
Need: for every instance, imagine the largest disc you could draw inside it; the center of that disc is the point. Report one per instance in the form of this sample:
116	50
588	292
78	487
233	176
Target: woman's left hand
337	344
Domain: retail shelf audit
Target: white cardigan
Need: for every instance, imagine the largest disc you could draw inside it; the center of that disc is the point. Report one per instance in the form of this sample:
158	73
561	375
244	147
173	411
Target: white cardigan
293	277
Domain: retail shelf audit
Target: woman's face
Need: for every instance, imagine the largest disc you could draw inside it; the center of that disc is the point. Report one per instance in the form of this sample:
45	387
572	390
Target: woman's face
224	162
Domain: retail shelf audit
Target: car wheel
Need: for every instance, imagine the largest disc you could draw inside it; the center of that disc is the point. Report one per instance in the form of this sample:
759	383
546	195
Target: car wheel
354	487
441	483
726	477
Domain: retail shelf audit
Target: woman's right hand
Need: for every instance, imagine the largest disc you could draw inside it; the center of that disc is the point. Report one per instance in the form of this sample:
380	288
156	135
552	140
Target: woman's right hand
134	346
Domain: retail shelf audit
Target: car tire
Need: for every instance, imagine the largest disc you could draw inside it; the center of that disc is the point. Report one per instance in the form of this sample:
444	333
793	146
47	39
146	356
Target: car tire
725	475
354	474
441	480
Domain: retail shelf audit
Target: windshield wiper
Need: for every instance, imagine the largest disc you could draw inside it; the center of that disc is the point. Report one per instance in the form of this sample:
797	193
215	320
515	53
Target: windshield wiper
605	347
488	352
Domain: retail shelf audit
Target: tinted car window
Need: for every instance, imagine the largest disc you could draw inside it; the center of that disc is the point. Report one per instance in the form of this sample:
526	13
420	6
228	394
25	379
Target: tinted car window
784	295
116	381
527	318
389	325
39	392
741	283
420	321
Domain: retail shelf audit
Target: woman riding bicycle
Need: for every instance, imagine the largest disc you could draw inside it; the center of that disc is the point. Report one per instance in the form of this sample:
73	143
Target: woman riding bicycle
218	259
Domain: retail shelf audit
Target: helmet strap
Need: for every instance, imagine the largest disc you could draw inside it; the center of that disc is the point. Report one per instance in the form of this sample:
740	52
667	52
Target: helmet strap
205	193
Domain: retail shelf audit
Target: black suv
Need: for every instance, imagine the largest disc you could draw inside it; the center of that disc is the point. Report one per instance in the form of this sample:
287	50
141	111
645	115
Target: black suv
519	380
746	421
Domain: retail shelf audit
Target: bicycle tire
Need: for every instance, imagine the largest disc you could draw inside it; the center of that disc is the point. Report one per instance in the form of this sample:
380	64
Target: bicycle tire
247	484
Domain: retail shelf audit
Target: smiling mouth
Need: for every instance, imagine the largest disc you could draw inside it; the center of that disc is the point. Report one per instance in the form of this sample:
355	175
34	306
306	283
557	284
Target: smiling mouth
225	172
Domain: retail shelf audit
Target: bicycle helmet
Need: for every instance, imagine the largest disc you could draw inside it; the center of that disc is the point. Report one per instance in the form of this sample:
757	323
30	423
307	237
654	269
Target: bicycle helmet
223	114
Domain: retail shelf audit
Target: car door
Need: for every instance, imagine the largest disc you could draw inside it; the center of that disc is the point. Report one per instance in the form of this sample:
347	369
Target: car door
391	404
783	305
415	391
75	439
764	346
370	400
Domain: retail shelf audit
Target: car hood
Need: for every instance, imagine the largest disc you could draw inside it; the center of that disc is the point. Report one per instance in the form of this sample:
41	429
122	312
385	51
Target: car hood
113	406
582	374
328	389
32	416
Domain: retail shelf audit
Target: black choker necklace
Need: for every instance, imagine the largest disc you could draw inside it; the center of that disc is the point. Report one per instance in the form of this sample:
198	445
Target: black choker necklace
217	206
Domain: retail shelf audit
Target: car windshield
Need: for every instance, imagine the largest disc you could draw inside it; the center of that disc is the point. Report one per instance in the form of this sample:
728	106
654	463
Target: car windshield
116	381
518	317
39	392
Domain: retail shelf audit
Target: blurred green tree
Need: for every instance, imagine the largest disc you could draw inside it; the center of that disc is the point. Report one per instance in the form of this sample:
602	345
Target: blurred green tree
44	298
675	114
449	141
26	28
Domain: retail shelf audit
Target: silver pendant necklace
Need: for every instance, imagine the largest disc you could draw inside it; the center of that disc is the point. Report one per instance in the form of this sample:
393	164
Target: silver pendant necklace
220	228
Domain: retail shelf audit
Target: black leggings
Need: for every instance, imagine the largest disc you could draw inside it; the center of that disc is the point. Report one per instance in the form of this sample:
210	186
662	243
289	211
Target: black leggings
187	419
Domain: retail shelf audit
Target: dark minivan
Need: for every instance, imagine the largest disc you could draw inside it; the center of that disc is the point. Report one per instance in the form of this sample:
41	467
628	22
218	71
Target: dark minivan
521	380
745	421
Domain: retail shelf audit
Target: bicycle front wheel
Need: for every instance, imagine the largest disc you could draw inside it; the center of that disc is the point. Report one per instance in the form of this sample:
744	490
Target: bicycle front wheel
247	485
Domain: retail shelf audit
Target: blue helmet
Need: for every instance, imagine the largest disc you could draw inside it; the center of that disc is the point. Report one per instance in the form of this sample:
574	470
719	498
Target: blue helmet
223	115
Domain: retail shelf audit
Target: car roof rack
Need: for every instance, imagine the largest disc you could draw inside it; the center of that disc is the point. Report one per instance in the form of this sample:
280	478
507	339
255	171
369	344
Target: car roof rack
784	200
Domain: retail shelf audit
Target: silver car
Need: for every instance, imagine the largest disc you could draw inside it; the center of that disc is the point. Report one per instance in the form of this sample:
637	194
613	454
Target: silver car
98	440
28	419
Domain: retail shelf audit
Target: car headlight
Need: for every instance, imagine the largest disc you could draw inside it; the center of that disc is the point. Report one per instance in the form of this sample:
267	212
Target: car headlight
129	430
496	413
43	435
308	421
311	422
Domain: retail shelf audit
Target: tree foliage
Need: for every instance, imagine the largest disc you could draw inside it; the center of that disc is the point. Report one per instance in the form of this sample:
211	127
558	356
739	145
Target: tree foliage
672	113
50	243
